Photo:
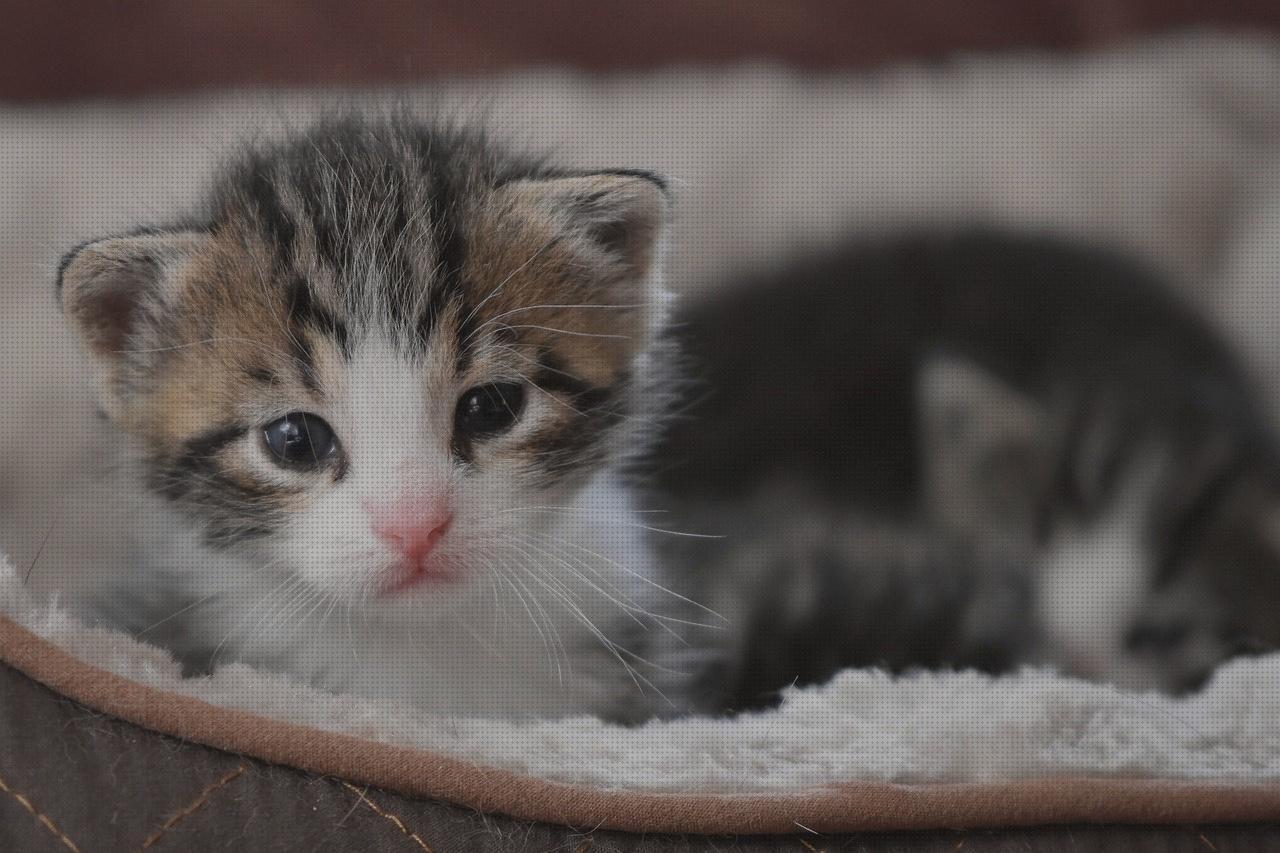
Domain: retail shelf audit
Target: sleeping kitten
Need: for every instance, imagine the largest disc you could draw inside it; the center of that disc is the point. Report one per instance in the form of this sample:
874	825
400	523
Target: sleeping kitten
369	408
1066	437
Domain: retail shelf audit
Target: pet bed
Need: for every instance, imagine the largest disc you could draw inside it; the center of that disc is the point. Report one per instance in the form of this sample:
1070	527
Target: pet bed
1146	146
864	752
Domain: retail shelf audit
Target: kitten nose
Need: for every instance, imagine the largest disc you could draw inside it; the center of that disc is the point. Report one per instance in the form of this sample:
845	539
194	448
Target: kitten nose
412	534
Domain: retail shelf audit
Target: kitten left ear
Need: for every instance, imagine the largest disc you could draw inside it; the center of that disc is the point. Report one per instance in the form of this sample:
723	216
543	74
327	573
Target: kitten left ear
115	291
615	218
110	288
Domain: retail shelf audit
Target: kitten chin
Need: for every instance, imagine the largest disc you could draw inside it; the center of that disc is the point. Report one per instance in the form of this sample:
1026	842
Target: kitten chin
374	399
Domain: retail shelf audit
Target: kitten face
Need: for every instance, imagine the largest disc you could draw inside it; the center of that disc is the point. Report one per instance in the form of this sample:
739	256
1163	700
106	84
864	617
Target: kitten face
382	356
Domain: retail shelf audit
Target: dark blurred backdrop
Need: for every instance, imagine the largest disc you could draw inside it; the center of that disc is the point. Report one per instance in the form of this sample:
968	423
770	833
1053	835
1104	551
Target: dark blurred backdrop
127	47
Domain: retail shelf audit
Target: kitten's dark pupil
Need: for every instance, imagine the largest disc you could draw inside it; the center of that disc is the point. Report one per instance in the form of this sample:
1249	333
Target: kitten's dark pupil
300	441
489	409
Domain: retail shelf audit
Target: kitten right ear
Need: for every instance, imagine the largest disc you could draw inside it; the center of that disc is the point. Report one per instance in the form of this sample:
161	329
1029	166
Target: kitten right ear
111	288
616	217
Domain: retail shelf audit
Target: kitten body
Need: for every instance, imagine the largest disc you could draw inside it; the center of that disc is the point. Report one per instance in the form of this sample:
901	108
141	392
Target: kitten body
371	405
1047	413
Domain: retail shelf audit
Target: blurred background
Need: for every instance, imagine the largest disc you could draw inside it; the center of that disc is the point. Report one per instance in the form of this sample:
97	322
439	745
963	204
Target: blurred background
1148	125
77	50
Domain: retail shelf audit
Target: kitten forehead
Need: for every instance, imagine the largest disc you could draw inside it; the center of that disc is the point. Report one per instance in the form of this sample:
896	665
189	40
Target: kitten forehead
362	228
430	241
387	227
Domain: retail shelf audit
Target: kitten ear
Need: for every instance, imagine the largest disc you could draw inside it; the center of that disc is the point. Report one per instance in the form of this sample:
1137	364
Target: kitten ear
114	291
613	218
983	445
111	288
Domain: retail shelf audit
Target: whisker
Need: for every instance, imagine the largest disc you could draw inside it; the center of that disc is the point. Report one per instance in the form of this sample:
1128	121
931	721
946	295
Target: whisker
619	521
643	578
657	616
498	288
26	579
193	605
567	331
553	651
495	320
289	581
629	607
611	646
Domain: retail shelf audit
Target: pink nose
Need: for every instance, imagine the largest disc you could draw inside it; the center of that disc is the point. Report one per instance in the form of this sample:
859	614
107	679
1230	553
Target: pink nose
415	536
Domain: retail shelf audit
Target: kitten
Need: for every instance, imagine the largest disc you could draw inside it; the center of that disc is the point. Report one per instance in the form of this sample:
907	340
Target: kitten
370	406
1070	439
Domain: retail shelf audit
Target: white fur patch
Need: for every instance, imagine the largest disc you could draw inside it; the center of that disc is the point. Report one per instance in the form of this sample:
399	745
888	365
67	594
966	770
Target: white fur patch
1091	582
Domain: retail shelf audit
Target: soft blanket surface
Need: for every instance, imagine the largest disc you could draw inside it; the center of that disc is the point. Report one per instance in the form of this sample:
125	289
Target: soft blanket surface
1152	147
864	725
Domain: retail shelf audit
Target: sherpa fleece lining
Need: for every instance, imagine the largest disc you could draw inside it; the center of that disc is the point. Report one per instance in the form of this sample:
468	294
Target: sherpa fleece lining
866	752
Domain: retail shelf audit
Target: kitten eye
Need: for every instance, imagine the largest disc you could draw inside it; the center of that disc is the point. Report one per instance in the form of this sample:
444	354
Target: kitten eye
489	409
300	441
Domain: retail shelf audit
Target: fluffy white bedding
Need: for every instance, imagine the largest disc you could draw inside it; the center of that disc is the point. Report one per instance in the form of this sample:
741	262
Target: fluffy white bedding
864	725
1157	147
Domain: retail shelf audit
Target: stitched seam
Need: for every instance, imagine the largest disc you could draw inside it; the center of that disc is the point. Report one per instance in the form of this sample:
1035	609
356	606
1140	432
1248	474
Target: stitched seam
195	806
39	815
412	836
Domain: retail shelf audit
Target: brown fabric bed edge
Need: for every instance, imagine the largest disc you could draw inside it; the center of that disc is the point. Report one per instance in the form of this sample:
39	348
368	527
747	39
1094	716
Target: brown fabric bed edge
847	807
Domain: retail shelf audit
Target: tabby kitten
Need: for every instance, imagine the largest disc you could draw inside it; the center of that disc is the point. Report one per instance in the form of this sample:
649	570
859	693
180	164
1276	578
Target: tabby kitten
992	448
372	402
